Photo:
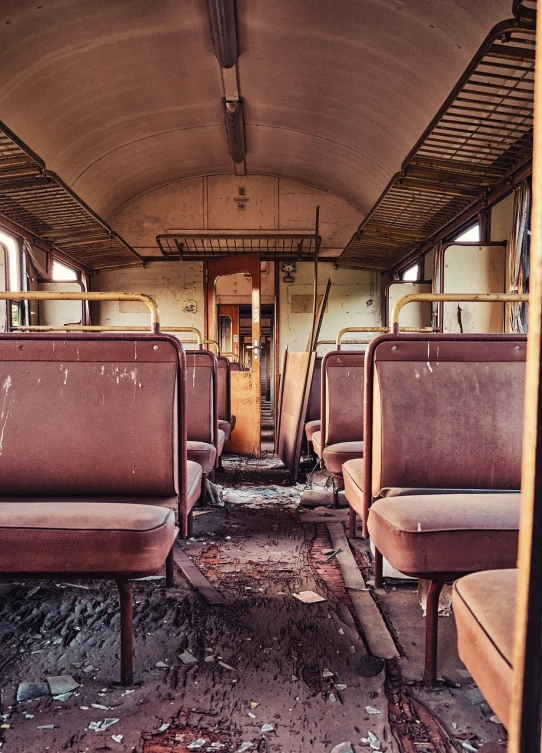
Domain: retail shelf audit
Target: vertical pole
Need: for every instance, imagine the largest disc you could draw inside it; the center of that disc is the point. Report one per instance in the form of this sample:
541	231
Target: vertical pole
524	725
126	633
315	301
431	633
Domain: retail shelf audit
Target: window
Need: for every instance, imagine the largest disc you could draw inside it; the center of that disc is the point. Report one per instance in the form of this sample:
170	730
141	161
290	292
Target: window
411	273
471	235
62	273
14	278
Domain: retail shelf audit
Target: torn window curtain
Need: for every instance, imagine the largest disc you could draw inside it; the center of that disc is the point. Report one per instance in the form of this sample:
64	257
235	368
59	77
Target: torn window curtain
518	258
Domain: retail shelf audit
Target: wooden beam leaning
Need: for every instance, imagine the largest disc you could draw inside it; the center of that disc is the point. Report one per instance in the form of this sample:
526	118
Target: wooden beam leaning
524	725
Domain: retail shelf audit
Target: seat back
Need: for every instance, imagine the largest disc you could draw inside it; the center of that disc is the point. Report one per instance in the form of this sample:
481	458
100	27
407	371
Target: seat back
342	396
201	396
447	412
90	415
223	389
315	394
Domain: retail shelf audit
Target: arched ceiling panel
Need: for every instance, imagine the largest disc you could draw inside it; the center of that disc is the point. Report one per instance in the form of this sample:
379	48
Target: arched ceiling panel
128	171
119	97
322	162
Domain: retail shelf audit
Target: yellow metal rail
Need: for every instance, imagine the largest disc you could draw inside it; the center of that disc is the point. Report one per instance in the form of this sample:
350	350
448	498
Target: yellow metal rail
343	331
453	298
40	295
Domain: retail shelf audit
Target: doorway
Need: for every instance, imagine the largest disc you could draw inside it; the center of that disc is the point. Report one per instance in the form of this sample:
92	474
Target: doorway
233	286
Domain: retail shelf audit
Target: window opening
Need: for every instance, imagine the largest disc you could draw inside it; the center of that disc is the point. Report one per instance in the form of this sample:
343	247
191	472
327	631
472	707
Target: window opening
411	273
62	273
470	235
14	278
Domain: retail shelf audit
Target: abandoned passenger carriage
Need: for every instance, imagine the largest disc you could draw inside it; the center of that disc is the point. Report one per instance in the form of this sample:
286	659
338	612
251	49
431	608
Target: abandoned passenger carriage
270	319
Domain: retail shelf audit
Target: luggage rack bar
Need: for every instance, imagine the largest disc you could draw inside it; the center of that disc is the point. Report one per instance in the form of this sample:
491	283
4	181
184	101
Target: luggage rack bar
452	298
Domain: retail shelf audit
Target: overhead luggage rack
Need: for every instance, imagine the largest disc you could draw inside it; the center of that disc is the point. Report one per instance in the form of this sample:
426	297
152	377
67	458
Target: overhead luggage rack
481	135
270	245
40	203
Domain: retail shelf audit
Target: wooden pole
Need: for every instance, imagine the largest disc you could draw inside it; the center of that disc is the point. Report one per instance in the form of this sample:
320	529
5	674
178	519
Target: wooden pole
524	725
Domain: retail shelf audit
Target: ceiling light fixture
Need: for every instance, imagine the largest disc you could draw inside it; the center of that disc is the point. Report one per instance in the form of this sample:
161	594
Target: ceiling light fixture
224	27
233	110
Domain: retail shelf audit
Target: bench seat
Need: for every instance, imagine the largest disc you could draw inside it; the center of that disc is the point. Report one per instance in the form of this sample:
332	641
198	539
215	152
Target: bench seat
341	452
311	427
204	453
429	534
226	427
71	537
484	610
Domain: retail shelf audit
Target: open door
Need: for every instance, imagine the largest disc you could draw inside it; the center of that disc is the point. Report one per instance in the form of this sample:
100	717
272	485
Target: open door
245	385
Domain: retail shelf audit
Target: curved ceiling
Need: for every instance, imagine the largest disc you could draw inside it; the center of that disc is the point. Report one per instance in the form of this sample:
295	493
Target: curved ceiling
121	97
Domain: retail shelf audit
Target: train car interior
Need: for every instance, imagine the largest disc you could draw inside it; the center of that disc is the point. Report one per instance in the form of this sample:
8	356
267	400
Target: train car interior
270	353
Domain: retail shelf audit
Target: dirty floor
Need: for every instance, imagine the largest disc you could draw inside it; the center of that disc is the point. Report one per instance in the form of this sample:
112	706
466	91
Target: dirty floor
268	672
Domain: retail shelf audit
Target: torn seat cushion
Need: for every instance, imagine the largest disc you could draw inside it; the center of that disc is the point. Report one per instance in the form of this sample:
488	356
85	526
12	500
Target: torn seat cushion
484	609
193	482
446	533
353	483
202	453
71	537
311	427
336	454
226	427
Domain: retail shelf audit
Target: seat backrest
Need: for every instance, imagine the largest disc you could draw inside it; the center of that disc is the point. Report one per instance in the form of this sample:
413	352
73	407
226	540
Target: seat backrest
342	396
201	396
223	389
447	412
315	394
89	415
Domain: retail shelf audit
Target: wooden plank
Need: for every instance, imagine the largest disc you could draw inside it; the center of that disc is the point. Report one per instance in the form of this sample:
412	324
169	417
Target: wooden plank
524	717
330	516
194	575
352	576
374	628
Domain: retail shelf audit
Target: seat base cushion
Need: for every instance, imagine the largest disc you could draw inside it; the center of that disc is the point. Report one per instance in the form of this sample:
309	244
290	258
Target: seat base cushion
226	427
353	483
202	453
484	610
71	537
341	452
221	440
317	443
193	485
311	427
447	533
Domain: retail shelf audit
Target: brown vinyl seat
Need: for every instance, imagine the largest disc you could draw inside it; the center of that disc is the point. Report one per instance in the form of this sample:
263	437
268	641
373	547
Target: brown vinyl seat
226	422
442	458
312	419
353	483
484	610
311	427
205	441
62	394
446	533
226	427
341	452
341	435
70	537
317	442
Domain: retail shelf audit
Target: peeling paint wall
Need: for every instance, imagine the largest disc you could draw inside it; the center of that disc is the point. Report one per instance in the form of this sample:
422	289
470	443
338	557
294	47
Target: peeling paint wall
354	300
176	287
216	203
